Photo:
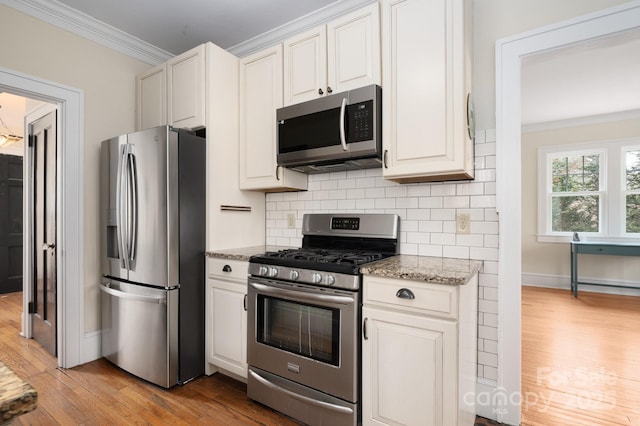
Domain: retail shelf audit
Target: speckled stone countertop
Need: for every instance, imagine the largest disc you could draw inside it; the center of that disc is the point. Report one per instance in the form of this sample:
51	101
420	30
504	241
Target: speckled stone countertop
243	253
436	270
16	396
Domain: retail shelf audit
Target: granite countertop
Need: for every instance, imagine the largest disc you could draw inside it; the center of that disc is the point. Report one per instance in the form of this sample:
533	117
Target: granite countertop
438	270
16	396
243	253
418	268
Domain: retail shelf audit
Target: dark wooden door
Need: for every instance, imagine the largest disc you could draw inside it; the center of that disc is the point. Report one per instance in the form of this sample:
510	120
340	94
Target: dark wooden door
42	134
11	245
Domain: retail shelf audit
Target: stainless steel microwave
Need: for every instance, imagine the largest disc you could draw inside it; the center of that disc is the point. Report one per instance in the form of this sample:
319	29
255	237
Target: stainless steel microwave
338	132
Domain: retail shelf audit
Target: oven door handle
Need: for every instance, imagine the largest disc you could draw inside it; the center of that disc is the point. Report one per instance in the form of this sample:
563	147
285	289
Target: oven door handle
323	404
275	291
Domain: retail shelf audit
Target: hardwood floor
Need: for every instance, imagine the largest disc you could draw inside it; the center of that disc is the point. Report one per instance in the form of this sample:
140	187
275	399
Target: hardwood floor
580	358
99	393
581	366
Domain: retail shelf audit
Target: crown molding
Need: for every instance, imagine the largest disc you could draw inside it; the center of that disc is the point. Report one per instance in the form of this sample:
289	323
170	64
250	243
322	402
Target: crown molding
582	121
67	18
310	20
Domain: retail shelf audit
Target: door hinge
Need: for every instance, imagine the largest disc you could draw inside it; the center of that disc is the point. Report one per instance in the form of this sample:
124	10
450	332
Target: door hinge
32	308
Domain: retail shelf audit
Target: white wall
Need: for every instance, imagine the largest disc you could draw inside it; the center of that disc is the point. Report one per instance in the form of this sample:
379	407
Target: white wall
107	78
552	259
496	19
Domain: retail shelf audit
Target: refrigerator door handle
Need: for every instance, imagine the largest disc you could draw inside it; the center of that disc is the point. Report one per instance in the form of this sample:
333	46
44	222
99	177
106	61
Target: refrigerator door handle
120	201
123	295
133	213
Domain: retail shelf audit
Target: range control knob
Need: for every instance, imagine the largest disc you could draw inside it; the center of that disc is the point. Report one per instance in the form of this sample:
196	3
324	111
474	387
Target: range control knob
316	278
273	272
294	275
329	280
263	270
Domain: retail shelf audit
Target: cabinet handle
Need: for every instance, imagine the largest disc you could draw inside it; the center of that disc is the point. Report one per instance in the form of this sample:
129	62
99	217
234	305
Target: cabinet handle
277	177
329	89
320	92
226	268
384	158
364	329
405	293
244	302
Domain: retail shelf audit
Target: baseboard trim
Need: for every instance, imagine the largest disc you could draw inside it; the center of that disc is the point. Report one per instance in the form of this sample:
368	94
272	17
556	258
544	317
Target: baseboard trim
564	283
485	399
91	346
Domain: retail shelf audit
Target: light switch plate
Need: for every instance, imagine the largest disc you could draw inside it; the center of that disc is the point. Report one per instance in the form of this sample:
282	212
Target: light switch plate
291	220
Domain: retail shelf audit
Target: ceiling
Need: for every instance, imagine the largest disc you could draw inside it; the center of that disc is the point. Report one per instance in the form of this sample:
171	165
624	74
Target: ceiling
177	26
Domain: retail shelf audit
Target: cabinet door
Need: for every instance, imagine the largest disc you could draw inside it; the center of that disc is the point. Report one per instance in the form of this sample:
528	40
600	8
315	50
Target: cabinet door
186	89
226	326
426	78
353	50
305	66
408	369
260	96
152	98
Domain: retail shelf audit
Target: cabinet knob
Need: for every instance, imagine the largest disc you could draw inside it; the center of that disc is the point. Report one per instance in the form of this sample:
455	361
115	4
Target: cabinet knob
329	89
320	92
226	268
405	293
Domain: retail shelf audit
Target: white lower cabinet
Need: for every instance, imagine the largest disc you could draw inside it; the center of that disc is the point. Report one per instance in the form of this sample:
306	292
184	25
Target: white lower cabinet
418	355
226	317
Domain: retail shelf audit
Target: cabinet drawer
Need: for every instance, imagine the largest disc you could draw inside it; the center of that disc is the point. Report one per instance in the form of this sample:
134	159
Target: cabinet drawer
432	299
227	269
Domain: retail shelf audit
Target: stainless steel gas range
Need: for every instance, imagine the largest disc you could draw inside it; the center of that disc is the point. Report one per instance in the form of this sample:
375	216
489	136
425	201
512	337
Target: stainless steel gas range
304	312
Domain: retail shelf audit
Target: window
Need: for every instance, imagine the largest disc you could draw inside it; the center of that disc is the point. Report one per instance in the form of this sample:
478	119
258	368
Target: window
591	189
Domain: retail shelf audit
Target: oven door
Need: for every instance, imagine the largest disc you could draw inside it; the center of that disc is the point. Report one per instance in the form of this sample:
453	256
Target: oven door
305	334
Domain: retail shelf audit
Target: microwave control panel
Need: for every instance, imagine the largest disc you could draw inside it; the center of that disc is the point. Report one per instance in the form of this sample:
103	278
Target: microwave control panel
360	121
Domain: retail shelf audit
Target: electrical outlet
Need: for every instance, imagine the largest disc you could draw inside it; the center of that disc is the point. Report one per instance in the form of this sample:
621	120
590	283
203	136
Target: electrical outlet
291	220
463	223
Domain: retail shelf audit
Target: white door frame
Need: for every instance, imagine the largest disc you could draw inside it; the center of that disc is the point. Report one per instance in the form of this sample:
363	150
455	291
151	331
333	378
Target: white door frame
70	209
509	53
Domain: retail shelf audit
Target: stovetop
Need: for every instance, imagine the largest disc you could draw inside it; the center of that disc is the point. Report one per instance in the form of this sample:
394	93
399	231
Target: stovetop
345	262
333	249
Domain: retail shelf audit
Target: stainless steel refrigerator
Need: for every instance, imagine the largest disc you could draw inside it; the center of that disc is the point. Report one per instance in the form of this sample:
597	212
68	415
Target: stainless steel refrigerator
152	287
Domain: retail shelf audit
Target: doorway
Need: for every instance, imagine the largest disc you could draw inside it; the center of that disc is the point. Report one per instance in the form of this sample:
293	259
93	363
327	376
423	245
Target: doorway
509	54
69	233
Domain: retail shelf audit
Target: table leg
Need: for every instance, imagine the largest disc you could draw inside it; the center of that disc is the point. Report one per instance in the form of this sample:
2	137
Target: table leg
574	271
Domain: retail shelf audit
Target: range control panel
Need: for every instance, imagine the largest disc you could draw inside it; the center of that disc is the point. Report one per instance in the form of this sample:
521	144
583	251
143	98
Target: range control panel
351	223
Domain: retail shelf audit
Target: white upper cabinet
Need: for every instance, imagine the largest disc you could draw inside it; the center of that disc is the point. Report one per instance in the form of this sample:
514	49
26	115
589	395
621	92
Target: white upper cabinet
426	67
151	86
260	96
342	55
173	92
353	50
186	89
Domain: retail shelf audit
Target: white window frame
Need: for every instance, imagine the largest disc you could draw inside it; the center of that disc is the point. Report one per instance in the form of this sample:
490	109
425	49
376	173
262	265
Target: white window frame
612	192
625	191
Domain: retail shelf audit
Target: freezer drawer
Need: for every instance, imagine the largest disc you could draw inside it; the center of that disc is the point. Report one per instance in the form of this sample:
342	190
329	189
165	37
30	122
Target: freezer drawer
140	330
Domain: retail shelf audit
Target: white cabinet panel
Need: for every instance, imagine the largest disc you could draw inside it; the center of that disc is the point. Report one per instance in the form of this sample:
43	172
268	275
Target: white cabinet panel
186	89
225	316
332	58
426	65
260	96
152	98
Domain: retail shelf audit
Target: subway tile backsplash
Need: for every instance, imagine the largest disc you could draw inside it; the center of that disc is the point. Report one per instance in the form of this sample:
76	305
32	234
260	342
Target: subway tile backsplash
427	223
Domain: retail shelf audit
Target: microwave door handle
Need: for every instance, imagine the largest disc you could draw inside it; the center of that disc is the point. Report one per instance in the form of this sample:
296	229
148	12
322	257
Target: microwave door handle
343	139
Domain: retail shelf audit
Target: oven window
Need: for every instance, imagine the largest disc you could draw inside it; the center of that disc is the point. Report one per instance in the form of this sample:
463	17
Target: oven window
303	329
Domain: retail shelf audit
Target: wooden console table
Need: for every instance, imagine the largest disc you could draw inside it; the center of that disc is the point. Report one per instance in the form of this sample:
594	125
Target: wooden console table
599	247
